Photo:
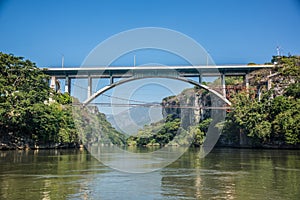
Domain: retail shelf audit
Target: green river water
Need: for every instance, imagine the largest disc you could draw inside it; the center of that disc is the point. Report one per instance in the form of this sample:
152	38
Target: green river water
222	174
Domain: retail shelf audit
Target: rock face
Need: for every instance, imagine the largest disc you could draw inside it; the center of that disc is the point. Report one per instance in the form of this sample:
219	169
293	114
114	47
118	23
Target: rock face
190	106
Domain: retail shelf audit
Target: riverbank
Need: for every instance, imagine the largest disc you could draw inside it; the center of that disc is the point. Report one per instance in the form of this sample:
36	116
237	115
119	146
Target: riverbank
262	146
13	146
27	146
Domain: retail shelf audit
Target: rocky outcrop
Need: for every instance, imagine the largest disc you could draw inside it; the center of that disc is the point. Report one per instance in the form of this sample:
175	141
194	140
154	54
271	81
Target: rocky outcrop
191	106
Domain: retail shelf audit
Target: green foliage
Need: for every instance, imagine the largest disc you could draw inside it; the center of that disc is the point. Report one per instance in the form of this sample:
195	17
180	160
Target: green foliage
287	123
203	126
270	120
159	133
233	80
293	90
26	112
288	66
30	112
63	99
93	128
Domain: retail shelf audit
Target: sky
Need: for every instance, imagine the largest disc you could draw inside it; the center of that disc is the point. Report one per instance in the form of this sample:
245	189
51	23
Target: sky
232	31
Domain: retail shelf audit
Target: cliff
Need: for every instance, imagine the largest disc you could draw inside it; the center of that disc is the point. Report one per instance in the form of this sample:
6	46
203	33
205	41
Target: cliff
186	117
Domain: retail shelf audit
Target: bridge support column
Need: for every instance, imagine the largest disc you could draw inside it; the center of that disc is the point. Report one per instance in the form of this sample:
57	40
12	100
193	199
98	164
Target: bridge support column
89	89
200	78
269	84
111	79
247	82
223	84
67	85
53	82
259	93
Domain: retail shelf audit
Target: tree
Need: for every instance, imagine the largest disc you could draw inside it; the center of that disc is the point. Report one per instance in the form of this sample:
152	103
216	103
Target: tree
22	86
26	115
287	123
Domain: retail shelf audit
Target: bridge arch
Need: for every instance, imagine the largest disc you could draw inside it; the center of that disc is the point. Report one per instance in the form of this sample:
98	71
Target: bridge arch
108	87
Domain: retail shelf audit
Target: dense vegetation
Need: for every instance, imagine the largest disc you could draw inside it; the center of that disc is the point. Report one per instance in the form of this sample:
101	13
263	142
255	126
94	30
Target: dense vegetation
169	132
93	128
32	114
274	119
27	112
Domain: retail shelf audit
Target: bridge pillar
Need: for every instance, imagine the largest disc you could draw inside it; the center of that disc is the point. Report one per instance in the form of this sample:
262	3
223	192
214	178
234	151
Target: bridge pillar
223	84
200	78
68	85
89	89
53	82
111	79
259	92
247	82
269	84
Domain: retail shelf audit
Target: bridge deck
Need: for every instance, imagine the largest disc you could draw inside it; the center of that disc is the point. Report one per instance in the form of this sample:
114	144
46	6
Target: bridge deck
184	71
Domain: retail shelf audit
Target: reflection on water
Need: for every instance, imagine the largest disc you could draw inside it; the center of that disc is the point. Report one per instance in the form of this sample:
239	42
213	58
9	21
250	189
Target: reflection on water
145	160
51	174
223	174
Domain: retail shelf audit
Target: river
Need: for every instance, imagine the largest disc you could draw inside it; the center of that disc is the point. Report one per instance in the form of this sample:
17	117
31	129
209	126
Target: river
222	174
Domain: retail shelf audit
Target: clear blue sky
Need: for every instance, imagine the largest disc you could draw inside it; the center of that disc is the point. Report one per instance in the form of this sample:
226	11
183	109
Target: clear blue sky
233	31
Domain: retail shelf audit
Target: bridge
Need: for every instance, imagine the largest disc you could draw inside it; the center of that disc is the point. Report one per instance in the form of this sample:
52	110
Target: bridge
129	73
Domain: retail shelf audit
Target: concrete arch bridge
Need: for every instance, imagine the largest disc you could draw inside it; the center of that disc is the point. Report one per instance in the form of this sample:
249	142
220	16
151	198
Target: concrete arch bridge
128	74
